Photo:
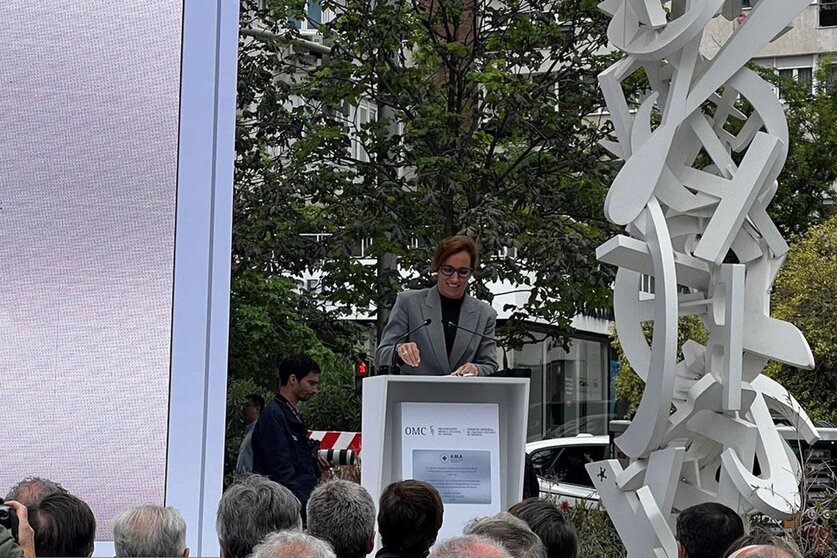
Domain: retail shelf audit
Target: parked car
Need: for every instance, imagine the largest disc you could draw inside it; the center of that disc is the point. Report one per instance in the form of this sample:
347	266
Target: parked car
589	424
559	464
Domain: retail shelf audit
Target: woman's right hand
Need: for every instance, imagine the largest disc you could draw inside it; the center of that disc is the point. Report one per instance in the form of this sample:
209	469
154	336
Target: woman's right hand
409	354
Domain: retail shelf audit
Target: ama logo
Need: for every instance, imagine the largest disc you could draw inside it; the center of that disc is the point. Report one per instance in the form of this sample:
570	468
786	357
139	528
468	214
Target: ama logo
451	458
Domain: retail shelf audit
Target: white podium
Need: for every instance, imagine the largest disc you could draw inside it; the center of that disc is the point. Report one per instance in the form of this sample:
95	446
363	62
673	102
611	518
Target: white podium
464	435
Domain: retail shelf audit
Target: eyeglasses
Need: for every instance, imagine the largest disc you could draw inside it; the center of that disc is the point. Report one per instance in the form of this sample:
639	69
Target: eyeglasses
463	272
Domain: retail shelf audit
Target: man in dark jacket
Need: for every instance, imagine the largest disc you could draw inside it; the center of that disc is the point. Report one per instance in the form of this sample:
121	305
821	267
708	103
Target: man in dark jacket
280	439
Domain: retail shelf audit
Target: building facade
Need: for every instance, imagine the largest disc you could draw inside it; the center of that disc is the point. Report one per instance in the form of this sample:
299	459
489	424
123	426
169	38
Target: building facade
811	41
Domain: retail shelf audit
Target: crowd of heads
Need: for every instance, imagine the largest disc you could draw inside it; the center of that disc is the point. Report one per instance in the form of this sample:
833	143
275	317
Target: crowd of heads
260	518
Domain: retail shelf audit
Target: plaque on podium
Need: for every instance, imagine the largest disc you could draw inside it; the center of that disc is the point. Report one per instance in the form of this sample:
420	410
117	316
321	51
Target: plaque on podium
466	436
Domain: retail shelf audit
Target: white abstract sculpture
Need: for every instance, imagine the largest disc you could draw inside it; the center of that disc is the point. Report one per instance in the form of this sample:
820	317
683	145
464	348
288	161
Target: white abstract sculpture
704	422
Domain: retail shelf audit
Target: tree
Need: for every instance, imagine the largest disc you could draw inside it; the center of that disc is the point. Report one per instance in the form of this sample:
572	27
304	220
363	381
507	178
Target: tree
269	320
804	295
806	184
415	120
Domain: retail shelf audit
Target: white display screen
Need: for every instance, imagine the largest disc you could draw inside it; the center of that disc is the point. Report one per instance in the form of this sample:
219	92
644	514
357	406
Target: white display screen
89	117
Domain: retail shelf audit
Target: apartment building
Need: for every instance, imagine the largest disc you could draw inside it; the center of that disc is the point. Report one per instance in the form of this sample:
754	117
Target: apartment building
811	41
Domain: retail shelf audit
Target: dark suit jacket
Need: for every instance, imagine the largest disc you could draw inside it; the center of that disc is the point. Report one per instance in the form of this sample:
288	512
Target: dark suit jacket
281	451
413	307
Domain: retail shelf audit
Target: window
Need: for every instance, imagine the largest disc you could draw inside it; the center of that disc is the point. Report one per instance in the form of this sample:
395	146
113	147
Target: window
506	252
566	464
313	16
830	76
803	76
361	247
828	13
364	113
647	284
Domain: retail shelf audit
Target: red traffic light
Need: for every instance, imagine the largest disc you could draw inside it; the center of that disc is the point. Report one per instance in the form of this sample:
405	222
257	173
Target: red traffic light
361	368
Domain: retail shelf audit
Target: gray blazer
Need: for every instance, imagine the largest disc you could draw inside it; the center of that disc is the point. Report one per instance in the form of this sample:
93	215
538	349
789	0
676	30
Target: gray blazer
413	307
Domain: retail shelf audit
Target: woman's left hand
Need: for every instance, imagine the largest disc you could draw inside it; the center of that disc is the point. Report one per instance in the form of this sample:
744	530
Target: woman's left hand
467	369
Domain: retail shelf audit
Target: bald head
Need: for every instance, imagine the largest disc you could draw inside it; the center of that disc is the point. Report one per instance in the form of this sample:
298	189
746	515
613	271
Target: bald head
292	543
470	546
761	551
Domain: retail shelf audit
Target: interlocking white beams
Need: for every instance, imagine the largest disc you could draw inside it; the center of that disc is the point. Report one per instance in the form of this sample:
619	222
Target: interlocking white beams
776	491
766	336
737	198
684	222
648	530
731	306
648	425
778	399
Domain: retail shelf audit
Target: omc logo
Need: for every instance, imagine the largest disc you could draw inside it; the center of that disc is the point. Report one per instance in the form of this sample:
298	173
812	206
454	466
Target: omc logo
415	430
419	431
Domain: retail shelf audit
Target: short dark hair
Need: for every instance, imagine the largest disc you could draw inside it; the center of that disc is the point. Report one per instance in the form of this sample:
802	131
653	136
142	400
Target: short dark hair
64	526
453	245
706	530
296	365
409	517
547	521
257	399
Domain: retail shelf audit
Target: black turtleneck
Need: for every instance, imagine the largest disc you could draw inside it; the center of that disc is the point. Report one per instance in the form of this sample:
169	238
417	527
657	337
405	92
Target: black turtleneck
450	313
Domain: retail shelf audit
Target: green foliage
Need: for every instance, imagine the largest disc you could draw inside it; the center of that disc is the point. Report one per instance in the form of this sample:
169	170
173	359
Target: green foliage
237	390
597	537
337	405
629	386
806	184
270	319
804	295
266	324
467	140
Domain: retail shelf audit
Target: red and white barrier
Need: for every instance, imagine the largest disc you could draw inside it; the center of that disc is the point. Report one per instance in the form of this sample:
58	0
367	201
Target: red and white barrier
336	440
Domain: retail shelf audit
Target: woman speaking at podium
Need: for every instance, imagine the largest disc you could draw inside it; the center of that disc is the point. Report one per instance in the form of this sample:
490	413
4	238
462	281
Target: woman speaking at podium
450	331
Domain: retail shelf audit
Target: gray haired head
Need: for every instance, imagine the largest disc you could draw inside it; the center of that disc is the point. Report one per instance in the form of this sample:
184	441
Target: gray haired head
292	544
250	509
31	490
470	546
151	531
342	513
511	532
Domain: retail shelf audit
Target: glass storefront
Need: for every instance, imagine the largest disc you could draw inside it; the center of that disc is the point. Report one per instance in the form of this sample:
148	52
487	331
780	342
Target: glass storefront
570	390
